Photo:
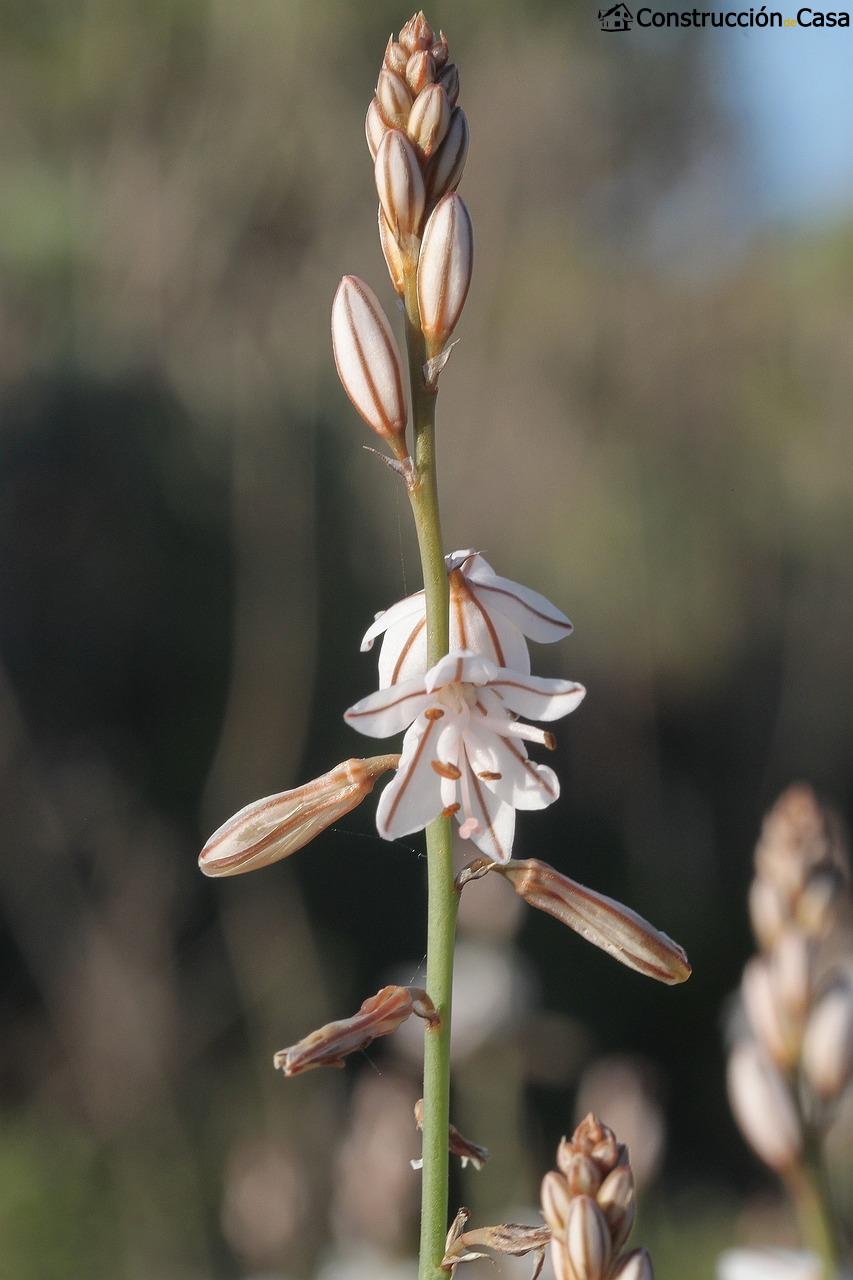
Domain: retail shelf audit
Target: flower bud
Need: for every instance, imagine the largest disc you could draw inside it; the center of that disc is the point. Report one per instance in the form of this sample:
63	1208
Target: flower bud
817	904
768	1018
439	50
400	184
587	1240
828	1042
636	1265
444	171
429	120
555	1199
583	1175
394	99
393	255
417	33
767	911
560	1261
615	928
277	826
448	78
375	128
444	270
420	71
368	360
396	57
378	1016
763	1107
792	963
615	1199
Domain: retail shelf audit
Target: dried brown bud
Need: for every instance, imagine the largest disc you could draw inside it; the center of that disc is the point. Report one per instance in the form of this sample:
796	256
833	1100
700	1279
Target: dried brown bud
468	1152
375	128
400	185
439	50
763	1107
395	57
429	120
636	1265
509	1238
393	255
607	924
444	270
444	170
417	33
394	99
368	361
277	826
828	1043
378	1016
448	78
587	1240
420	71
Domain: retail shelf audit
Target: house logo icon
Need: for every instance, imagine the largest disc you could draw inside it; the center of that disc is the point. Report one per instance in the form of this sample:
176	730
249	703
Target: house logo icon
619	18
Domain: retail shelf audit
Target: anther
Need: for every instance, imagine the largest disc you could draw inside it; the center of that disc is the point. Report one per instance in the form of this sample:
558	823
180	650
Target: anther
433	713
446	770
488	776
451	810
550	742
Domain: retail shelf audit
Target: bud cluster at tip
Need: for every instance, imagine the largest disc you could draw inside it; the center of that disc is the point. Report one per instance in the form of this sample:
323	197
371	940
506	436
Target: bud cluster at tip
797	994
588	1203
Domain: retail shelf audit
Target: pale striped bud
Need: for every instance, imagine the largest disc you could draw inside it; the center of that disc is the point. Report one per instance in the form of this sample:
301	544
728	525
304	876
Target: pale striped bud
768	911
375	128
393	255
583	1175
277	826
394	99
444	171
828	1042
444	270
378	1016
618	930
396	57
817	904
555	1198
636	1265
417	33
768	1018
763	1107
615	1199
399	184
448	78
587	1240
420	71
560	1261
368	361
429	120
793	962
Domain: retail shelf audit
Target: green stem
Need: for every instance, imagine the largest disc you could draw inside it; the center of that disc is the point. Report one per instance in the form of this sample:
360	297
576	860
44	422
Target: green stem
814	1209
441	922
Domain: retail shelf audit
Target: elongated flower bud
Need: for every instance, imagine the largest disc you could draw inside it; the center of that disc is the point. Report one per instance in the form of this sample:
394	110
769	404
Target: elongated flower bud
444	171
449	80
395	260
587	1240
828	1043
555	1199
767	1016
396	57
277	826
420	71
636	1265
378	1016
763	1107
444	270
615	1199
400	184
429	120
607	924
368	361
394	99
375	128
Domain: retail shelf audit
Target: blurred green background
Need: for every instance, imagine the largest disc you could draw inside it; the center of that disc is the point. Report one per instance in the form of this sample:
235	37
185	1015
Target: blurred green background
647	419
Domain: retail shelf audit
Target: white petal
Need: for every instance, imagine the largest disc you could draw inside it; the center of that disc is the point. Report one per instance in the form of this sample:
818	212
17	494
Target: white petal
478	629
531	612
402	611
496	818
456	559
413	797
522	783
389	710
461	667
404	653
536	698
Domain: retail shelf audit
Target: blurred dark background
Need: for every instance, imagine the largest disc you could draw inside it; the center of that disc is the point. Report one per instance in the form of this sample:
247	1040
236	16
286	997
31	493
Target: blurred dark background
647	419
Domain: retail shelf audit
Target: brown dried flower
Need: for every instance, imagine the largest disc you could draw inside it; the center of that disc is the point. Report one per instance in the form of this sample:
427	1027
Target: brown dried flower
378	1016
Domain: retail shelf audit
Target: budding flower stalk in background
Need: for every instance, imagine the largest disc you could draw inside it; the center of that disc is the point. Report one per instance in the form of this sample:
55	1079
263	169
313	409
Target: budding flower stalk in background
787	1073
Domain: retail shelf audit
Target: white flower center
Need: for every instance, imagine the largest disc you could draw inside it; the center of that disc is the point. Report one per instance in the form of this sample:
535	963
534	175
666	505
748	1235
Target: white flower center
458	698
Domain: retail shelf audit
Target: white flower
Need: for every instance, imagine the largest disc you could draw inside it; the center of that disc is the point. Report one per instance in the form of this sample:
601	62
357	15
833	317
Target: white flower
489	615
464	753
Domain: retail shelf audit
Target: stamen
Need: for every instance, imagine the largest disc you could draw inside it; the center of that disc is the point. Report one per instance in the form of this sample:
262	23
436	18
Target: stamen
433	713
488	776
446	770
451	810
517	729
551	741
